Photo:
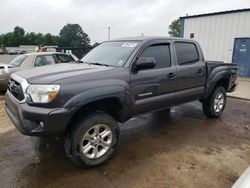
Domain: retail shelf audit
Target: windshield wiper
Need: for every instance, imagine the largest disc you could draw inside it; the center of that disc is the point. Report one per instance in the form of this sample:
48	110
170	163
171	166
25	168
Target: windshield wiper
93	63
101	64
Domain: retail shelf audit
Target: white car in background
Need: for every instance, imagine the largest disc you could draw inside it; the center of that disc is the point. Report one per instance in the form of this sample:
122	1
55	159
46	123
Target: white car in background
31	60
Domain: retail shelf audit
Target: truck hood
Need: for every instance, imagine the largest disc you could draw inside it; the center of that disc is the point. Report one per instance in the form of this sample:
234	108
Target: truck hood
53	73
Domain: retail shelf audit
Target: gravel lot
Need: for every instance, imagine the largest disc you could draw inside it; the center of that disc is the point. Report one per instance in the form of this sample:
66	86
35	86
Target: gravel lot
178	149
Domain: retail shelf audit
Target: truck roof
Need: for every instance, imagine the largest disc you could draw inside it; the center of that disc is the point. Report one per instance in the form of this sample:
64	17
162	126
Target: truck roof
148	38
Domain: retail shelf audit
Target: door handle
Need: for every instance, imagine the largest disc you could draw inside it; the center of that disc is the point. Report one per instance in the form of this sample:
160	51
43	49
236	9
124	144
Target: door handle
171	75
200	71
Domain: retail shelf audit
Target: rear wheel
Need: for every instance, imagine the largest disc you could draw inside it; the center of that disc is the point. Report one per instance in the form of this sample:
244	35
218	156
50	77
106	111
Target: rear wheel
214	105
93	140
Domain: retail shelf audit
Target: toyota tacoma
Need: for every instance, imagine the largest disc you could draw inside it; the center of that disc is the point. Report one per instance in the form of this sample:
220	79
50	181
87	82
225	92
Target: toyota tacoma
117	80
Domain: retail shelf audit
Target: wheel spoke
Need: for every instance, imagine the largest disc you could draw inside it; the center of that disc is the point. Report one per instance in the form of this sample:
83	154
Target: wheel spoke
96	129
219	96
87	148
105	133
105	144
95	152
88	137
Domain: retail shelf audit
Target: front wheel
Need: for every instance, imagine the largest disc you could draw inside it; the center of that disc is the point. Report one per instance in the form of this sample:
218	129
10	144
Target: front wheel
92	140
214	105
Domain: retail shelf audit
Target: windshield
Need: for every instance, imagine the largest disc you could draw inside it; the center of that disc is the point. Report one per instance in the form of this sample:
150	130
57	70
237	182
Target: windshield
110	53
18	60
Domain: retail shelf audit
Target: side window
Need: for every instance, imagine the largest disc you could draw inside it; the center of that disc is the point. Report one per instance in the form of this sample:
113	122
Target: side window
161	53
186	53
49	59
64	58
38	61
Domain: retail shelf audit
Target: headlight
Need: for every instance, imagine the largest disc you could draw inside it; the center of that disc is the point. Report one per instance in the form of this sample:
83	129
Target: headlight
43	93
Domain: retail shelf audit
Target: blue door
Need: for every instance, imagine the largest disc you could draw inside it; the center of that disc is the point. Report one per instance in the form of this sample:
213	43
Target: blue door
241	55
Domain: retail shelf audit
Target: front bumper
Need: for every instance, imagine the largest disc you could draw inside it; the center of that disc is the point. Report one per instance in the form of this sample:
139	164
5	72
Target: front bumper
37	121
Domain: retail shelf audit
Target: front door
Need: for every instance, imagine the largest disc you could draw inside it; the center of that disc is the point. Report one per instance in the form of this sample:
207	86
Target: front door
154	88
241	55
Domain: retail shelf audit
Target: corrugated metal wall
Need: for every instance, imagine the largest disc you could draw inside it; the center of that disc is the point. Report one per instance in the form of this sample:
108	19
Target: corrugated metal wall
216	33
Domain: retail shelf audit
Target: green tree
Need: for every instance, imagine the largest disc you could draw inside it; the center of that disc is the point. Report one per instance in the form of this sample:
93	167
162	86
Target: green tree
30	38
49	39
8	39
34	39
1	40
18	36
39	40
72	35
174	28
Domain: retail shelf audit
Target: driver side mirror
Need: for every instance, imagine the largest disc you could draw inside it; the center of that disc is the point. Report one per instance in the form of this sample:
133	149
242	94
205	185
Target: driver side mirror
145	63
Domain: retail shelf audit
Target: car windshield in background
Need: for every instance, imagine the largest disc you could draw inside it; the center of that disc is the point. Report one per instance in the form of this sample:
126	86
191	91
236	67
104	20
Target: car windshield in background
111	53
18	60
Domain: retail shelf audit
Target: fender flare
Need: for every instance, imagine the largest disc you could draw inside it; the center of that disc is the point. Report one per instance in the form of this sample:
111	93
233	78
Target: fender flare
100	93
213	80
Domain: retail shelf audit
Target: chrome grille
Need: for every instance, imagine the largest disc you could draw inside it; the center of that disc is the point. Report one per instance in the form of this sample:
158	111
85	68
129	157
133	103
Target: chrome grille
15	88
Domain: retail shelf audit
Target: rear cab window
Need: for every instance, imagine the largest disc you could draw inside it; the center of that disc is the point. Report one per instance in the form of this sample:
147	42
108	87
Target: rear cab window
186	53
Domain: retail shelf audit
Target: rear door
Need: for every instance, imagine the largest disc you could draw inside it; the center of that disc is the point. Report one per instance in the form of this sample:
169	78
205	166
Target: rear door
241	55
191	75
154	88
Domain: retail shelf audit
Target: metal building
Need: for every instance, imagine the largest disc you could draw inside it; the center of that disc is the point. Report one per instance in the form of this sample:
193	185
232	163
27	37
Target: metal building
223	36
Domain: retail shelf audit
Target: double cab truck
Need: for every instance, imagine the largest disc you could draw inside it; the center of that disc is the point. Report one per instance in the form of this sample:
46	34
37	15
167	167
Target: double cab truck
117	80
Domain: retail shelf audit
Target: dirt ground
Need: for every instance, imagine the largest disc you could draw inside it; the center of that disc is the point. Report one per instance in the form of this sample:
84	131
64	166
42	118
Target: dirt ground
178	149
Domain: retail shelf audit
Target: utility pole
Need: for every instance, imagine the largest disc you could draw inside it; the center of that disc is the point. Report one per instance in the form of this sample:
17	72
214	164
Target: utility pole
108	33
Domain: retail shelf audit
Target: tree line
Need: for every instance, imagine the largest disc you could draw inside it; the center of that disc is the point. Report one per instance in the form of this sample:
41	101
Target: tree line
71	35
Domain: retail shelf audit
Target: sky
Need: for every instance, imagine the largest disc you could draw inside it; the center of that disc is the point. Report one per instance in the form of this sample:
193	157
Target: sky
124	17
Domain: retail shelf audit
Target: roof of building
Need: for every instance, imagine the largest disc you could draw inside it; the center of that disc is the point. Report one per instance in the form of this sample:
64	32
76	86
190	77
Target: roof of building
217	13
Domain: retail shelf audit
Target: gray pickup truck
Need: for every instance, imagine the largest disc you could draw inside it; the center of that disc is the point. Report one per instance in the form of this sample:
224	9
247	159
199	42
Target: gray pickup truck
117	80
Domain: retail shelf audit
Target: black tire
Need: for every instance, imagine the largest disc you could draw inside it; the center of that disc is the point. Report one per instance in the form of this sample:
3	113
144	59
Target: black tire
208	105
73	141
